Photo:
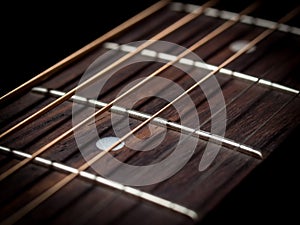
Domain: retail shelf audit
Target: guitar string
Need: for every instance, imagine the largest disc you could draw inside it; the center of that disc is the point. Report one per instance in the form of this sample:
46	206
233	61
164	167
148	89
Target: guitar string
261	126
251	44
69	94
59	185
175	126
214	33
184	20
244	92
186	211
86	49
296	95
244	142
45	195
240	145
227	142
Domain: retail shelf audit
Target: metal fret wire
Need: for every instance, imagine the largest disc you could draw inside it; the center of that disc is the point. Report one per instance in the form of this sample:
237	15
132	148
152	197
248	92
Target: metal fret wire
198	64
223	14
156	121
197	12
31	205
86	49
106	182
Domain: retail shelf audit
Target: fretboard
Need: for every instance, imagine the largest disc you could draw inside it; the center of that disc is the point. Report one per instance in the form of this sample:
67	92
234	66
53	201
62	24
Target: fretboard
127	129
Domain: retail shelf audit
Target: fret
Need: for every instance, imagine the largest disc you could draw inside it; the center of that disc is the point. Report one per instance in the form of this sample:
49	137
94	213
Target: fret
158	121
201	64
108	183
227	15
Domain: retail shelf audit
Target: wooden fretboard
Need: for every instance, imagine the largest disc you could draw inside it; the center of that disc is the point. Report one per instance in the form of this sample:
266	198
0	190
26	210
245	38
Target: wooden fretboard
246	100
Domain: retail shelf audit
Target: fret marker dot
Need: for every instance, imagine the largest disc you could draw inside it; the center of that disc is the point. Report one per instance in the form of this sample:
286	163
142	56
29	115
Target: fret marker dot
239	44
106	142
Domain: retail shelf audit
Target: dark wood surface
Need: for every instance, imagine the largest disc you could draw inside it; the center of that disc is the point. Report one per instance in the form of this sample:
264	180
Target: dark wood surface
266	194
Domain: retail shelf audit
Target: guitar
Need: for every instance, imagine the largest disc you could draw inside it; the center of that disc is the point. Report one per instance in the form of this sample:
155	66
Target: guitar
221	192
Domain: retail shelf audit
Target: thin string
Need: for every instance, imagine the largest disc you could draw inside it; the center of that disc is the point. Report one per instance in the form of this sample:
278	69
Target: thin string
256	154
240	94
202	41
265	122
286	18
84	50
34	203
247	47
69	94
197	12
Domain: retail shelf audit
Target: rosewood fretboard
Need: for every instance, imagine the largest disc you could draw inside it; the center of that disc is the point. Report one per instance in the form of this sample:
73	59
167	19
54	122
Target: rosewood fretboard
261	95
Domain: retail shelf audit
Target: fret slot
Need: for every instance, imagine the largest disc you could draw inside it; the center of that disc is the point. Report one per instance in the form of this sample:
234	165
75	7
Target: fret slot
223	71
227	15
108	183
159	122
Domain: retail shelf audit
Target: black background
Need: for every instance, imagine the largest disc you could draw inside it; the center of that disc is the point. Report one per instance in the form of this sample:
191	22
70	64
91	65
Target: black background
35	36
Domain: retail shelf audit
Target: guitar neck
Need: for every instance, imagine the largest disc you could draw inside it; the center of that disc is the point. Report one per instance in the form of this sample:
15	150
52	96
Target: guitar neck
185	129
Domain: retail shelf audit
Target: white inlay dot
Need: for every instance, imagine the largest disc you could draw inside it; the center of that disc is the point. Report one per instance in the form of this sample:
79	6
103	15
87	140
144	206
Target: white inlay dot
239	44
107	142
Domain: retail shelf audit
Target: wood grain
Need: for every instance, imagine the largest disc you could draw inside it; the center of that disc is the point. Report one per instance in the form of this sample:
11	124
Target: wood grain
82	201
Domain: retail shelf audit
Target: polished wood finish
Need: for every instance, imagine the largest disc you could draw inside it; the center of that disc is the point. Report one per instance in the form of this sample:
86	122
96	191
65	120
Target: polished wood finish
82	201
